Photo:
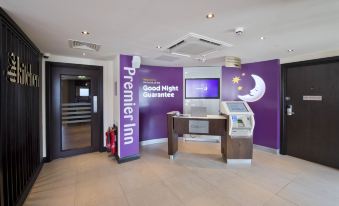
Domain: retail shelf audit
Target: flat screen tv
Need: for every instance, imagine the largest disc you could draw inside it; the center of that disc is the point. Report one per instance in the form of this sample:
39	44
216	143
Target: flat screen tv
207	88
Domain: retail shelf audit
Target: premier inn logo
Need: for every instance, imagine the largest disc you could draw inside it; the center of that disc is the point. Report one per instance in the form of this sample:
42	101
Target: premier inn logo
20	73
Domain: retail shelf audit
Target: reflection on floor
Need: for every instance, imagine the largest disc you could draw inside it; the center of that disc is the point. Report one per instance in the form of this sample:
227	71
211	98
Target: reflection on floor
196	177
76	135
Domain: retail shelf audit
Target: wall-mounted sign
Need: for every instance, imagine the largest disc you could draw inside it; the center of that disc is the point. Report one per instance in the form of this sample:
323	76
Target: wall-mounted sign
312	98
152	88
198	126
129	109
20	73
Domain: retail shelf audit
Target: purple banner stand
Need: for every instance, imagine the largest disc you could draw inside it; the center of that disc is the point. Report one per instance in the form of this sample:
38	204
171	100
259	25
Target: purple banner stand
128	143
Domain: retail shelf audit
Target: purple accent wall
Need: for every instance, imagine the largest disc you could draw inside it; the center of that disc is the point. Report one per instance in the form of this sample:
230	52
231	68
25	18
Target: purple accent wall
155	99
129	108
266	109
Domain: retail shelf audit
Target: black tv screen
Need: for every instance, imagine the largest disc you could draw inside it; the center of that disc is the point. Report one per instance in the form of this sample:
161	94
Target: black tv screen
207	88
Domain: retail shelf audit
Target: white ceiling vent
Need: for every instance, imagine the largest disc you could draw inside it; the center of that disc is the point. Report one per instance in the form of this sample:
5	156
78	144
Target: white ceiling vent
194	45
166	58
83	45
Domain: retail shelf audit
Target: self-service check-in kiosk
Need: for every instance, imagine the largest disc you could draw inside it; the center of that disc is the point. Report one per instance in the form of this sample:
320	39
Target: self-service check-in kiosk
240	130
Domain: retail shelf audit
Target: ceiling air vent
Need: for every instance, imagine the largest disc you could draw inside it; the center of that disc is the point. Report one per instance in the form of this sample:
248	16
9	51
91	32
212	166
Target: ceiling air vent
167	58
83	45
195	45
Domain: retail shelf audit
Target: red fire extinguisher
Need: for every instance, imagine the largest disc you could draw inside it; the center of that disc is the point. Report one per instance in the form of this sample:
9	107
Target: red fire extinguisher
110	140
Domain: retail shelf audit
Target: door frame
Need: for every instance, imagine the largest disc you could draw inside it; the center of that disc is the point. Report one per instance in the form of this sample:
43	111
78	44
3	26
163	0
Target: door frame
284	69
48	69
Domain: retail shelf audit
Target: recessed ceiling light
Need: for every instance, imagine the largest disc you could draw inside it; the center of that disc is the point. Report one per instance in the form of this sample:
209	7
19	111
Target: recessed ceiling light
210	16
158	47
290	50
83	54
262	38
81	77
85	32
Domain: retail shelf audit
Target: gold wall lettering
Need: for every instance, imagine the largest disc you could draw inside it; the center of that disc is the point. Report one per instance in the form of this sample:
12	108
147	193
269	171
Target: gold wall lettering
20	73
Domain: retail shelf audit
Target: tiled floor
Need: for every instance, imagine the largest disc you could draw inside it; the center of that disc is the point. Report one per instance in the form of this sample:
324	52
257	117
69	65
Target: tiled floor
196	177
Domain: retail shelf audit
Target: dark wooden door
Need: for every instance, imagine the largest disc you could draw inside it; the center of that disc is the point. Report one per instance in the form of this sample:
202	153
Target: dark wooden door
74	109
312	131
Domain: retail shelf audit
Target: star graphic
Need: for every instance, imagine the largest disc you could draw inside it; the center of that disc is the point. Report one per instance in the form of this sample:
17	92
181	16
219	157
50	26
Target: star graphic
236	80
239	88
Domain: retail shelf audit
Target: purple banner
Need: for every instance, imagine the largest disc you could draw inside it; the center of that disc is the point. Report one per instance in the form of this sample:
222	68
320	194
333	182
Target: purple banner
160	91
259	85
129	109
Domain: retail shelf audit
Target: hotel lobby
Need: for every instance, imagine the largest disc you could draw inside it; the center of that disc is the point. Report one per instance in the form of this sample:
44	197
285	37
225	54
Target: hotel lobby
142	103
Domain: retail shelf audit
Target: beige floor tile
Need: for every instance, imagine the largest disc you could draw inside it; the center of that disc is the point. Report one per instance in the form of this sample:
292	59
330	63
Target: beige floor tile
213	198
188	186
197	176
278	201
243	191
168	169
137	177
56	197
154	194
309	194
266	178
100	192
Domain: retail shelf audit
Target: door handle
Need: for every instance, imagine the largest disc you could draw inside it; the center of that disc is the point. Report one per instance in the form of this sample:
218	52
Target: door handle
95	104
289	110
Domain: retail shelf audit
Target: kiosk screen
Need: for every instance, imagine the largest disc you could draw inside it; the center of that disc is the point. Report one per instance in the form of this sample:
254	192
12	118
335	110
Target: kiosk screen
237	107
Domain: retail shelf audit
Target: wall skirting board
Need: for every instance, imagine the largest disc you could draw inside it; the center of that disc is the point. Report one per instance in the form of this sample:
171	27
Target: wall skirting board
163	140
267	149
153	141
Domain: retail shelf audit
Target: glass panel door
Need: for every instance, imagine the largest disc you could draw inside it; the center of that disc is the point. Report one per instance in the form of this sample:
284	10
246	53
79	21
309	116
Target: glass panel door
76	112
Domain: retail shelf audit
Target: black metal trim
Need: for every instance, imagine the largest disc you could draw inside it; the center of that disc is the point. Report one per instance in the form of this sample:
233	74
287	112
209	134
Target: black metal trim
127	159
30	184
283	143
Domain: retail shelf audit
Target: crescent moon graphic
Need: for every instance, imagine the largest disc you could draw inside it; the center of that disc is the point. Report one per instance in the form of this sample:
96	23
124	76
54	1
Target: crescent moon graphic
257	92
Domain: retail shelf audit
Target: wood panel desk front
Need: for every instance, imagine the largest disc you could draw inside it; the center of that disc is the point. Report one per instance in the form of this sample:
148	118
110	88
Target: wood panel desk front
180	125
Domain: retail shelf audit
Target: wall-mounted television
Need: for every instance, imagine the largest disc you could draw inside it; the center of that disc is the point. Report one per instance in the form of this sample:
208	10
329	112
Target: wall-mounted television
202	88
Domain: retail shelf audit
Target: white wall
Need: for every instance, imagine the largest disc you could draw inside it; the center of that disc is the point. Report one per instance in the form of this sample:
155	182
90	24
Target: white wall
212	105
309	56
108	90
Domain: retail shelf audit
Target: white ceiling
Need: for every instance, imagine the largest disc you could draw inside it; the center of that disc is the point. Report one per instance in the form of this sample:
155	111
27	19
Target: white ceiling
136	27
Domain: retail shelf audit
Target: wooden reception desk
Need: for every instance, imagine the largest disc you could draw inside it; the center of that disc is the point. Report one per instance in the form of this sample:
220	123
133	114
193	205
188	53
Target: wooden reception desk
211	125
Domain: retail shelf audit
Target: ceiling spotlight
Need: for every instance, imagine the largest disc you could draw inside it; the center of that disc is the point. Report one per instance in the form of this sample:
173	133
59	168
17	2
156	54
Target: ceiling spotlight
158	47
210	16
290	50
262	38
85	32
83	54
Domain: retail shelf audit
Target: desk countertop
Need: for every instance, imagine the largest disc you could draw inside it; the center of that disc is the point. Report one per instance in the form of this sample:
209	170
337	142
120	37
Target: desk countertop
207	117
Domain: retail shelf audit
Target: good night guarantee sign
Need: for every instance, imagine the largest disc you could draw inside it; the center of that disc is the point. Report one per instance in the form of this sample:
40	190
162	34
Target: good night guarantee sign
153	89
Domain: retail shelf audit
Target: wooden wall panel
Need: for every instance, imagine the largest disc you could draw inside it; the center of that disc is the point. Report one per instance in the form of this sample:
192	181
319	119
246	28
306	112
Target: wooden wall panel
19	109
